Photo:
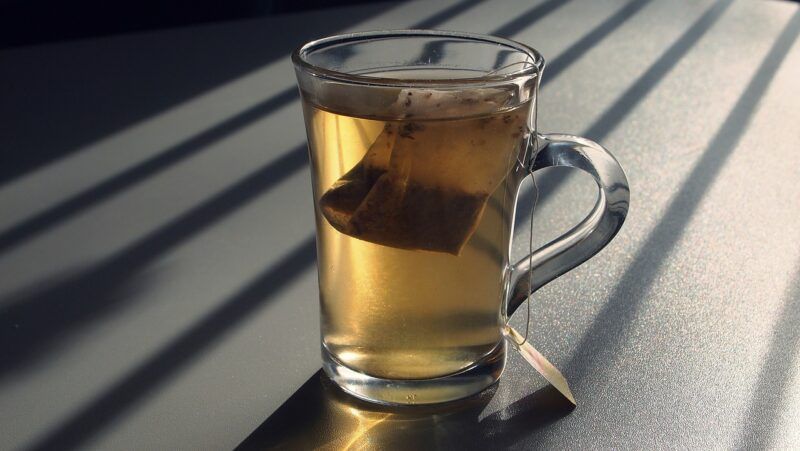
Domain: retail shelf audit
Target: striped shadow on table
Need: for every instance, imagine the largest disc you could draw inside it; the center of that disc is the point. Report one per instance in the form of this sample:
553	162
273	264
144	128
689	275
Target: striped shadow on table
605	335
83	92
98	289
773	386
549	183
40	222
110	404
109	283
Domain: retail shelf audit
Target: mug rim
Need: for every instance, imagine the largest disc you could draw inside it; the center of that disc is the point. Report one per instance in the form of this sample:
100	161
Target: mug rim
299	59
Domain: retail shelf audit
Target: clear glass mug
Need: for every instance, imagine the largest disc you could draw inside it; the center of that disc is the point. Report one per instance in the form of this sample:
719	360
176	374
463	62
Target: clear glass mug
419	141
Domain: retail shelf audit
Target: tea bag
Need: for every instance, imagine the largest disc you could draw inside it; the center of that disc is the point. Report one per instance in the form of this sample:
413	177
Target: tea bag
424	184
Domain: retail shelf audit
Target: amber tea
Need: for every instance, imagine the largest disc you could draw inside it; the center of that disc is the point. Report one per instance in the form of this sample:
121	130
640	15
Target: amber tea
413	230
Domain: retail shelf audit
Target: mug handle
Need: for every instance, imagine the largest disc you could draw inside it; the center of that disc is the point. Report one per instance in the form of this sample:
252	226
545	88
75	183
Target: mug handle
593	233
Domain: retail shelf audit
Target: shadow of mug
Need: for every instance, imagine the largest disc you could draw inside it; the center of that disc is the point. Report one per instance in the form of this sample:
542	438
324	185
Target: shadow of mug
321	415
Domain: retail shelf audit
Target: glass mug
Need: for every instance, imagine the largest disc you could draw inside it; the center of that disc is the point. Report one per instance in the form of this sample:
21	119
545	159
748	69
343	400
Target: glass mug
419	141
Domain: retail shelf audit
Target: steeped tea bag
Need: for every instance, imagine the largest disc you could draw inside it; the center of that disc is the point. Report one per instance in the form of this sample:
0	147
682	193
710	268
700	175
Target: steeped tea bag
423	184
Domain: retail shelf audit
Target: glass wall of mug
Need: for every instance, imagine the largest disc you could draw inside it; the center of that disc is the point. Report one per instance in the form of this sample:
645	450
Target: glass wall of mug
415	138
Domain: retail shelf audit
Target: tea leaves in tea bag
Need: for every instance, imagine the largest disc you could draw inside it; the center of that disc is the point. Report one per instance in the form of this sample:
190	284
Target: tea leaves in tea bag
342	199
423	184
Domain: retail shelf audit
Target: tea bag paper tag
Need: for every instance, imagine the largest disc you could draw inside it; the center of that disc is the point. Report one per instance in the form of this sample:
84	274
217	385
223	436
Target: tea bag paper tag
539	362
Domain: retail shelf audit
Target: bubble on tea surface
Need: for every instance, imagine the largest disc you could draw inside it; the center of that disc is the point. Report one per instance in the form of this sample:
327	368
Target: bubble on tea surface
423	184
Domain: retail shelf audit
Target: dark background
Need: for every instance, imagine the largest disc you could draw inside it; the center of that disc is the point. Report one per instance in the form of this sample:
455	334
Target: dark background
27	22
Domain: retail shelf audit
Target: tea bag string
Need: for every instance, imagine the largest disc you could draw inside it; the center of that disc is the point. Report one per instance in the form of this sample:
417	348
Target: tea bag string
529	168
519	342
530	253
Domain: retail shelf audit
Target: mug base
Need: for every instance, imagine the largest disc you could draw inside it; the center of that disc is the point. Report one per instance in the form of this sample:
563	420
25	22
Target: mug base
454	386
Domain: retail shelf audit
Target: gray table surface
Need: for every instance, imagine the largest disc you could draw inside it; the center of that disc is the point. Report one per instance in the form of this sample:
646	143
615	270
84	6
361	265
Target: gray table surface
157	282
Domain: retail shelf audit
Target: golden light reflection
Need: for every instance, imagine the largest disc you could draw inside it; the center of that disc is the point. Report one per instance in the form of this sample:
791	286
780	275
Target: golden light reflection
364	426
321	416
